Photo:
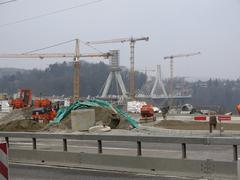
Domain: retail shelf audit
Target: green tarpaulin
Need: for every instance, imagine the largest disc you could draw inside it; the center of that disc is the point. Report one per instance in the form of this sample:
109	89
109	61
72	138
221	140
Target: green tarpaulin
62	113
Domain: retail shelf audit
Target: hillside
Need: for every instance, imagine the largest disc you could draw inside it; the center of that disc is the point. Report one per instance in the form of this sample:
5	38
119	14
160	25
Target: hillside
11	71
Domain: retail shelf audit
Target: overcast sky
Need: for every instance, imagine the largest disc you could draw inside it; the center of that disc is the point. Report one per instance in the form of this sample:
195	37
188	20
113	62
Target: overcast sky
173	26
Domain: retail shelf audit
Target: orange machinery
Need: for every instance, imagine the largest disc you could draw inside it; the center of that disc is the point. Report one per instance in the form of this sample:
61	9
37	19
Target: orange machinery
147	113
238	108
43	110
24	99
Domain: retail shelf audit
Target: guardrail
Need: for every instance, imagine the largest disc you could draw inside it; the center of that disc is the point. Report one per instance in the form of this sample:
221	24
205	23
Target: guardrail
183	141
139	163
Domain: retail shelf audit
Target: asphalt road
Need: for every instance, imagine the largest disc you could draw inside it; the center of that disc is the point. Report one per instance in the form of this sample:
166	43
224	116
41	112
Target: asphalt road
26	172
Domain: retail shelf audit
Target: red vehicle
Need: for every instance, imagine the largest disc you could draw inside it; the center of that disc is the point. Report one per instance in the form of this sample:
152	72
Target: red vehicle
24	99
147	113
44	114
43	110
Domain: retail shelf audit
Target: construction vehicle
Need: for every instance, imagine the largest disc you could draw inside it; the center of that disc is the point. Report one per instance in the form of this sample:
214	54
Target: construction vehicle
147	113
43	110
23	99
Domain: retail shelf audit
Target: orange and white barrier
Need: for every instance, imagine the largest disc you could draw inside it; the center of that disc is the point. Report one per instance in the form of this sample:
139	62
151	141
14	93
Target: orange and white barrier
3	161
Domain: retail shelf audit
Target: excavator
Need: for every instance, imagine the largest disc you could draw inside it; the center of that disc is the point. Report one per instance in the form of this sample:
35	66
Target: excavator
24	99
43	110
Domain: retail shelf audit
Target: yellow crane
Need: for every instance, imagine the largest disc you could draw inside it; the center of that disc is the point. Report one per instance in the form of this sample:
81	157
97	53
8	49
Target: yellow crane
132	42
171	67
76	62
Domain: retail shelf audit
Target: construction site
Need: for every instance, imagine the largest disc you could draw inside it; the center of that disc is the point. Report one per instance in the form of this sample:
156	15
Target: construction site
119	90
153	106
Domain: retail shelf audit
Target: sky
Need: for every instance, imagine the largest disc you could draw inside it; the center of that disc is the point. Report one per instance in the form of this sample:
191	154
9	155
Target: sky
173	27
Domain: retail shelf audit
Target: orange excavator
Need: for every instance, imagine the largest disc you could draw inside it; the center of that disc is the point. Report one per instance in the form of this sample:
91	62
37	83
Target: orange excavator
43	110
24	99
147	113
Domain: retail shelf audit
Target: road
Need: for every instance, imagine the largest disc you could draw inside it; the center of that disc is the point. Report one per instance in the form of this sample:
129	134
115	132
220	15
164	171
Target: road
26	172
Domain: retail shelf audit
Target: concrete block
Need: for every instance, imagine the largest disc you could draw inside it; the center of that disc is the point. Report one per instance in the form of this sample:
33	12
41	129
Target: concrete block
82	119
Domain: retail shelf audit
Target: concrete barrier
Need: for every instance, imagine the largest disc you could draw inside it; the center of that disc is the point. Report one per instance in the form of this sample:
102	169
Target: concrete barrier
82	119
137	163
162	166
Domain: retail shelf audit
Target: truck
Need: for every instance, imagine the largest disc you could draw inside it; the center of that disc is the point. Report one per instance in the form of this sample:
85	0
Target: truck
147	113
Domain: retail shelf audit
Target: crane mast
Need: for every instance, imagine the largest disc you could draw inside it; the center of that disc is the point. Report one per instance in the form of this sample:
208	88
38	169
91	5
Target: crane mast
132	42
76	72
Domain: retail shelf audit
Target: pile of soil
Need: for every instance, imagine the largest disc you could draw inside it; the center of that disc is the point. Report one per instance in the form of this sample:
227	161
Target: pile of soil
22	125
191	125
16	114
102	116
19	120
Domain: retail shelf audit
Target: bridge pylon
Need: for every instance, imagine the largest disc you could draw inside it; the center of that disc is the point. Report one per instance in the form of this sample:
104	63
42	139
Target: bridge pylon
158	85
114	74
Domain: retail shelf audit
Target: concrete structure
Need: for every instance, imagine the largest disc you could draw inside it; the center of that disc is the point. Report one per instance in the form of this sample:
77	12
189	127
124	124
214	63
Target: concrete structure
158	85
82	119
114	74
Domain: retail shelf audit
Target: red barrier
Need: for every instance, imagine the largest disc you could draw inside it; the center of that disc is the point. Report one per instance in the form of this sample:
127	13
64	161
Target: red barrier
200	118
224	118
3	161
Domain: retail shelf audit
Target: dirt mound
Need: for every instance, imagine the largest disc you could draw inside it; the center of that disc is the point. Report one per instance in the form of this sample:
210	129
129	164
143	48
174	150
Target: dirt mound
16	114
191	125
102	116
22	125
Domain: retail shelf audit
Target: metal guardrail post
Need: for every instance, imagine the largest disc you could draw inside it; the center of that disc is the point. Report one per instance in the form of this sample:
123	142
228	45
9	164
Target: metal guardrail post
99	146
139	148
7	141
235	152
64	144
34	141
184	151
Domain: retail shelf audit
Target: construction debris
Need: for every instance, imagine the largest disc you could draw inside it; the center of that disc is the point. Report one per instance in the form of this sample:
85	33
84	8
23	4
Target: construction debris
99	128
117	114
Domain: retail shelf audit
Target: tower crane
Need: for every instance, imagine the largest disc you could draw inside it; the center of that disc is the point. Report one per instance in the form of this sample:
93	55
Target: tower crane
76	62
171	67
132	42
